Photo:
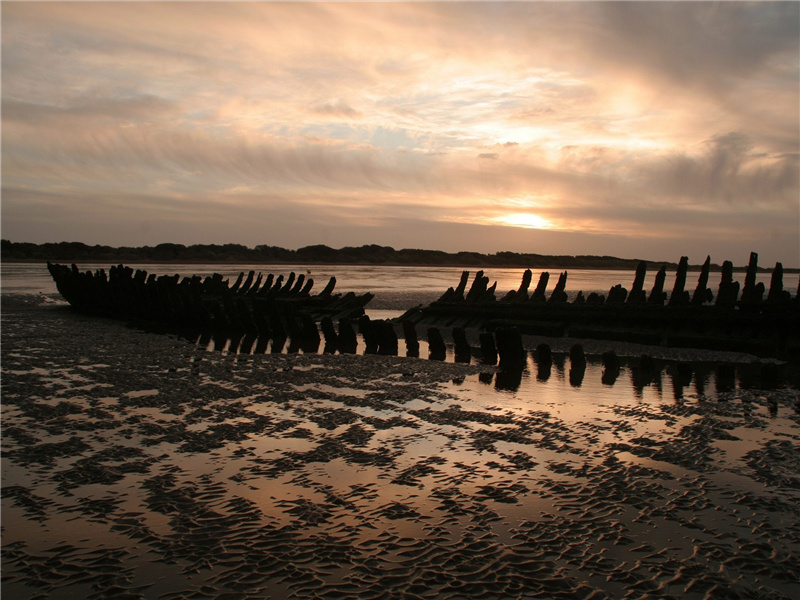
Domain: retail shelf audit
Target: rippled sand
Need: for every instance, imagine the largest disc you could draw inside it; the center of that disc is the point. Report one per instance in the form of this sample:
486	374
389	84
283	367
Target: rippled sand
139	466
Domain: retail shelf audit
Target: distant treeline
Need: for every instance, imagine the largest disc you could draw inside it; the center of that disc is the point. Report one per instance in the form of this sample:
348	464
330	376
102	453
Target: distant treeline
262	254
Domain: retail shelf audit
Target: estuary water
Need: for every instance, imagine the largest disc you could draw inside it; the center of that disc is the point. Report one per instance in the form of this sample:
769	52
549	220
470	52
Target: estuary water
398	288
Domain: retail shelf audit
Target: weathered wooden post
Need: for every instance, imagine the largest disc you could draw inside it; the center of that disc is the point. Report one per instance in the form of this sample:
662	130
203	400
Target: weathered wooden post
220	338
753	292
287	286
637	294
410	334
235	286
508	380
247	342
657	294
544	362
610	368
328	290
256	286
725	377
679	295
387	338
463	351
261	343
541	287
279	334
347	339
204	339
488	294
306	291
577	365
368	334
576	355
559	295
681	375
248	282
776	291
276	287
510	348
644	374
544	354
462	285
456	295
436	346
702	293
448	296
595	298
309	334
328	331
521	294
298	285
295	334
728	291
488	348
478	287
219	328
267	285
617	295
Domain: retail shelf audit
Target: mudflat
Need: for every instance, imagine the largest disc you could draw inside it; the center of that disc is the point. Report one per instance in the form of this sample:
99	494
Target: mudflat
139	465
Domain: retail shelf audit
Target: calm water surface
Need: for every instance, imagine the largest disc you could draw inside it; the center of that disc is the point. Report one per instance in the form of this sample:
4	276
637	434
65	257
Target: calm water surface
396	288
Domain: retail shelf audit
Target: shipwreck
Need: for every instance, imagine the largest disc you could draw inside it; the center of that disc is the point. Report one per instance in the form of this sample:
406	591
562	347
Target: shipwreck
753	319
257	310
263	307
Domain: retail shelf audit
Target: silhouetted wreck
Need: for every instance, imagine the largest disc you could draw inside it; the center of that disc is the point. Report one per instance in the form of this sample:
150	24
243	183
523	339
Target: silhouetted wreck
267	306
758	321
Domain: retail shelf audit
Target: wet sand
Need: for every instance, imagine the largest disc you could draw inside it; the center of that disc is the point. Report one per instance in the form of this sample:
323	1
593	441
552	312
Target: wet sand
137	465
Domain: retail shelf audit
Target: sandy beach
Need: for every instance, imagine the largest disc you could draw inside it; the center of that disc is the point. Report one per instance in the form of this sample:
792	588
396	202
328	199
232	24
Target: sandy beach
138	465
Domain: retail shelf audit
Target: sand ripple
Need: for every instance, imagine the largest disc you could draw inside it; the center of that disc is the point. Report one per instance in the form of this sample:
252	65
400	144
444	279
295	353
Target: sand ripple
149	468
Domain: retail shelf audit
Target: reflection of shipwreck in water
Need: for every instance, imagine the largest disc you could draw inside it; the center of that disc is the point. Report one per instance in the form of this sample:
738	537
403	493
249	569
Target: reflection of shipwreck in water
758	321
269	308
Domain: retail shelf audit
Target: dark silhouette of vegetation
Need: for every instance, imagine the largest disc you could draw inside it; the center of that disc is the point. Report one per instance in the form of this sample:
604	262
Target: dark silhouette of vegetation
317	254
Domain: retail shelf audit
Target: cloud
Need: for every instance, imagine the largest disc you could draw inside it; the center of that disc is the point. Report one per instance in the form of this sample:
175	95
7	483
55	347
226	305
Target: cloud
141	107
617	117
337	109
727	169
710	45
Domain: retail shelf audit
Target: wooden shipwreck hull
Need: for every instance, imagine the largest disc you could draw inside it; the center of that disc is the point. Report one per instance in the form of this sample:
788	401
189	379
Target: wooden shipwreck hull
265	305
758	321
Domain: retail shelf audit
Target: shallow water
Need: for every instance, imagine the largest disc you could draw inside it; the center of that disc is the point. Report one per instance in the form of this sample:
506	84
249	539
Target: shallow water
137	465
396	288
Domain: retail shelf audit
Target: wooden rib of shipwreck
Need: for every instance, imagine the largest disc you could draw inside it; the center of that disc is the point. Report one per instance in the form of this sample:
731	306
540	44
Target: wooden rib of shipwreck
266	305
758	321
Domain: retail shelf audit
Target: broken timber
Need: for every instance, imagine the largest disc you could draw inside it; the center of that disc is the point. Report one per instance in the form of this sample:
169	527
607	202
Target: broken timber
268	305
765	326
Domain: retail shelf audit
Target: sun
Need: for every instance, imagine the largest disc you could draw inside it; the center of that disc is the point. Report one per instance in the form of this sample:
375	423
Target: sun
525	220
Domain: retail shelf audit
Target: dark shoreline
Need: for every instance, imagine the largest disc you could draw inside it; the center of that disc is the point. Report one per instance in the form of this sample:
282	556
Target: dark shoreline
370	255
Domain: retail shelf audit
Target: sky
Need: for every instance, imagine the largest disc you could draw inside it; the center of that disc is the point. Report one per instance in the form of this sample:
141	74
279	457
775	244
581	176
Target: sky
635	129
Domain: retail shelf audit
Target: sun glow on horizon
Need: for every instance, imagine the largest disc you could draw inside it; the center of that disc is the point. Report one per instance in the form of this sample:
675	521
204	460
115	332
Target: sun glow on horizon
524	220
